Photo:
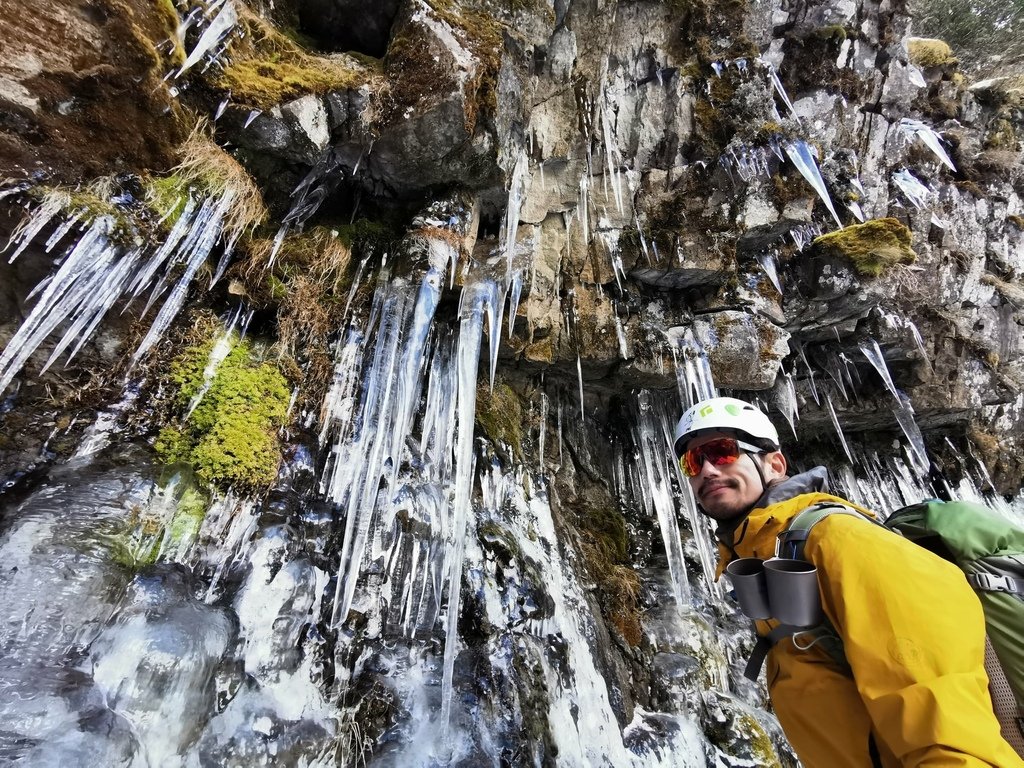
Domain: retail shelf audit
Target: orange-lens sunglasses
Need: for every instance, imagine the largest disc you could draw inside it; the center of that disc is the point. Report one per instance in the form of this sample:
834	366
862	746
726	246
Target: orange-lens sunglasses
724	450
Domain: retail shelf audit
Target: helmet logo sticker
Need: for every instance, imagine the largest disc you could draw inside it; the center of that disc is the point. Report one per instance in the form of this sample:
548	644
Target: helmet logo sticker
706	410
732	410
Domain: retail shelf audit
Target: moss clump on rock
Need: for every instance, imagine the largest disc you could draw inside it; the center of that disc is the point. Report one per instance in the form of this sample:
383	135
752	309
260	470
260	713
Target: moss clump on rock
604	540
270	67
930	52
872	247
500	416
230	438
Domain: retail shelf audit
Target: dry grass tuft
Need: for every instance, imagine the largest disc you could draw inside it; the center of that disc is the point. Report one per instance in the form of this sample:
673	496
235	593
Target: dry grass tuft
1012	293
206	166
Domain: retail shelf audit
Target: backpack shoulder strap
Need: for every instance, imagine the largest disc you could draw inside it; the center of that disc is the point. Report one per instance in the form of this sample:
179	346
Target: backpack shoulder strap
792	541
791	545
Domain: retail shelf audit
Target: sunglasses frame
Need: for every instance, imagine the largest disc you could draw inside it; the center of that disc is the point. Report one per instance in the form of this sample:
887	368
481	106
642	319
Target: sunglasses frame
741	448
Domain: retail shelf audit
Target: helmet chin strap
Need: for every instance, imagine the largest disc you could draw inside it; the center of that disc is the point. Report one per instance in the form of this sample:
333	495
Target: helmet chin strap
760	472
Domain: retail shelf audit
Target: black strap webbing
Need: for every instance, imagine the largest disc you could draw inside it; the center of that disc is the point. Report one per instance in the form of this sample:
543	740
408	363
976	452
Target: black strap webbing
764	644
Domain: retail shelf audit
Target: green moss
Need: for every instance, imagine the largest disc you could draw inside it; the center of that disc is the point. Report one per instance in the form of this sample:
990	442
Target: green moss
167	197
364	233
760	743
1001	135
167	12
927	52
265	83
230	438
500	416
833	32
872	247
608	527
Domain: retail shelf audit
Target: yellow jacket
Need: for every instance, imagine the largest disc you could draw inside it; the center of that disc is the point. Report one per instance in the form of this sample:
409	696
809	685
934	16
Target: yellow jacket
914	636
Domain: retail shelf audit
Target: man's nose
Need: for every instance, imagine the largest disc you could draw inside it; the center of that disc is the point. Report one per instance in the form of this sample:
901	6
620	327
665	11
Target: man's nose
708	468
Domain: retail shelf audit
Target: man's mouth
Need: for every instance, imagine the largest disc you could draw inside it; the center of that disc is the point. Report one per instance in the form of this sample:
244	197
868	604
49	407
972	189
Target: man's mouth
710	488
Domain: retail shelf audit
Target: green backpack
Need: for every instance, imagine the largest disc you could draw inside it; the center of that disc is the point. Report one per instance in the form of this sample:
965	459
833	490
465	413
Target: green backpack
989	549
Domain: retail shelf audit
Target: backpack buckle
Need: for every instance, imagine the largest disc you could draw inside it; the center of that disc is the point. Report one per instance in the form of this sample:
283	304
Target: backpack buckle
992	583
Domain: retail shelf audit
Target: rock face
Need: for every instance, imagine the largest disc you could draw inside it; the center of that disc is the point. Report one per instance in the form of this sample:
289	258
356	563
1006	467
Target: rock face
78	80
784	201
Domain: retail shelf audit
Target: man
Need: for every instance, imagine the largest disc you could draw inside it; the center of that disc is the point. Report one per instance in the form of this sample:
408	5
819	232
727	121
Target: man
914	690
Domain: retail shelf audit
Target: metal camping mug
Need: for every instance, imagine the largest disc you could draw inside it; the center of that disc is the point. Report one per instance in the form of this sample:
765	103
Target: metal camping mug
793	592
748	581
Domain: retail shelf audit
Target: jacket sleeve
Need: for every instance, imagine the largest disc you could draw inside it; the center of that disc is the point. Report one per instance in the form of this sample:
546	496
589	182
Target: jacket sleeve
914	635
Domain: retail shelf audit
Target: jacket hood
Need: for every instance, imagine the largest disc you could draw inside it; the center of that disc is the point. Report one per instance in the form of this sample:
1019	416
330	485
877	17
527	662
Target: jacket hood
812	481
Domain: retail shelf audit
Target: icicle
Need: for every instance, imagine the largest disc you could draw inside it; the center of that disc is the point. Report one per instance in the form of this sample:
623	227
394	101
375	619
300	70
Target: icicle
919	343
493	306
802	157
253	114
693	373
904	413
221	107
515	290
839	429
218	354
579	374
929	137
468	357
767	261
834	369
516	193
53	203
652	436
874	356
543	433
61	231
773	77
582	211
212	36
810	374
620	334
200	250
917	193
611	152
784	400
75	285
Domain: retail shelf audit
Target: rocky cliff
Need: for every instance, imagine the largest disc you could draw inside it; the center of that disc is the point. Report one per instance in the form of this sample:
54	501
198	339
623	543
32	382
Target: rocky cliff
641	201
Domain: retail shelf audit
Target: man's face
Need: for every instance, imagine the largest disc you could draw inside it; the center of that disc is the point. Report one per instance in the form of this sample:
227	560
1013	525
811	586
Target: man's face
726	492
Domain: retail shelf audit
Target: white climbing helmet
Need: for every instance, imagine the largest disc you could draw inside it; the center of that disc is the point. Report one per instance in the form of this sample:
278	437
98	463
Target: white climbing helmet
725	414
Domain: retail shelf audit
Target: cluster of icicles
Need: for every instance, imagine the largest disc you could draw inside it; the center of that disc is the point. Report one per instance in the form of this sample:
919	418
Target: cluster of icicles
98	270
